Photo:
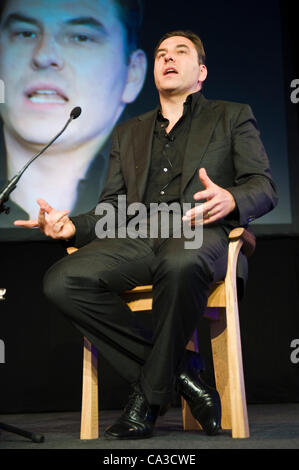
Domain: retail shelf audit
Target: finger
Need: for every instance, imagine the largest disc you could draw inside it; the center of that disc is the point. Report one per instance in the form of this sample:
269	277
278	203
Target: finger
212	217
41	218
210	206
199	210
206	194
44	205
195	212
59	226
207	218
26	223
209	214
203	176
189	215
63	216
58	221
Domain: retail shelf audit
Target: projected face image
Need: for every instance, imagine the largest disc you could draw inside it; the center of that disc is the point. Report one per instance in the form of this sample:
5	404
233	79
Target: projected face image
55	55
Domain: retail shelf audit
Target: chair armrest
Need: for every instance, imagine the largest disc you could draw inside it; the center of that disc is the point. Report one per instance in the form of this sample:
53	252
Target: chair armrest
71	249
249	240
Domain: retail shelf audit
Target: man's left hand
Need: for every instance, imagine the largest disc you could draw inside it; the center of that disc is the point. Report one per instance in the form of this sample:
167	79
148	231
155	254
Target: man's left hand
219	202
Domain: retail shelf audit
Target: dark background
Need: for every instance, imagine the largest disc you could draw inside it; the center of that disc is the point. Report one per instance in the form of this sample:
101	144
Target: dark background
43	354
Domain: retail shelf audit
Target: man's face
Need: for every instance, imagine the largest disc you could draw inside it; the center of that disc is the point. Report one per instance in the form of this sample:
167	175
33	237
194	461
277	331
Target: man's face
58	54
176	68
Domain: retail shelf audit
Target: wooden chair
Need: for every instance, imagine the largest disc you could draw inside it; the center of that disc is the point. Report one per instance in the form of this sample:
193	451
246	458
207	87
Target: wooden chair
222	311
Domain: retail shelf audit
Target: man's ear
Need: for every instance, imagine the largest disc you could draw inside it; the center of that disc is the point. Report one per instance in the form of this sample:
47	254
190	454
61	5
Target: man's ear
203	73
136	76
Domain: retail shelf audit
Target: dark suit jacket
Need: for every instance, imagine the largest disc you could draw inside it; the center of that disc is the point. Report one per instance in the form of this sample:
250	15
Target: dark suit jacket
223	139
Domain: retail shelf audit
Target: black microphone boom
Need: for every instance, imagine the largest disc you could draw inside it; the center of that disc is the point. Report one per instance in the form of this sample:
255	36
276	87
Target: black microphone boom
12	184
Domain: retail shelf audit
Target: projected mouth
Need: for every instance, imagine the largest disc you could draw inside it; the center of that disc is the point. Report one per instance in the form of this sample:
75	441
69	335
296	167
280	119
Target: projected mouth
46	95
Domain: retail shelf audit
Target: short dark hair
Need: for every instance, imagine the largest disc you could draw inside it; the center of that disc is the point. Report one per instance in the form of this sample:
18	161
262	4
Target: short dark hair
189	35
130	14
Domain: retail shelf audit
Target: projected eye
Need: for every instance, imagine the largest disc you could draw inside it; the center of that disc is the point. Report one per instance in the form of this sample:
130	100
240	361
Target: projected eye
26	34
82	38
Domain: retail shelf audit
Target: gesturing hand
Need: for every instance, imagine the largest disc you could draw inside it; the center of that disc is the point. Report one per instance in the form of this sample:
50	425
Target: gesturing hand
219	202
56	224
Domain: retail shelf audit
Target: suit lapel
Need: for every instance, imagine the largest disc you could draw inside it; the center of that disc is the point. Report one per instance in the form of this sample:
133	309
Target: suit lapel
142	137
202	126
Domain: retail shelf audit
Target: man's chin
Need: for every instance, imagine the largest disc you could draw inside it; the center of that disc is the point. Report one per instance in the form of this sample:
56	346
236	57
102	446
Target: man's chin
37	134
170	91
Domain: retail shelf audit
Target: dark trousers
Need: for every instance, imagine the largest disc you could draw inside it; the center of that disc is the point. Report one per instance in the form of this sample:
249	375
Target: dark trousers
86	287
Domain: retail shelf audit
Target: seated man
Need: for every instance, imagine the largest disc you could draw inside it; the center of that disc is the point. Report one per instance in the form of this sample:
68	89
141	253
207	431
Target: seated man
187	149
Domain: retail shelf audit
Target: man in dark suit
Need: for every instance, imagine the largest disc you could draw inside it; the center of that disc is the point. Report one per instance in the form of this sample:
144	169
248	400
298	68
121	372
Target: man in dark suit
189	149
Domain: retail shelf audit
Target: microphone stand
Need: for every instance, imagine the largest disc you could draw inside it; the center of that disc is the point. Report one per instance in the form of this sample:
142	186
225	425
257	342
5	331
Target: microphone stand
37	438
12	184
4	196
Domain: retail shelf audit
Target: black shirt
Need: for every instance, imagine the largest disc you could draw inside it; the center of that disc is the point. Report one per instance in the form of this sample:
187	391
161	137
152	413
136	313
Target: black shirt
164	179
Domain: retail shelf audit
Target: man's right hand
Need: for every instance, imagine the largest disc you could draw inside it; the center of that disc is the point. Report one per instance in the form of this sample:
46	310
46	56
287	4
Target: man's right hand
56	224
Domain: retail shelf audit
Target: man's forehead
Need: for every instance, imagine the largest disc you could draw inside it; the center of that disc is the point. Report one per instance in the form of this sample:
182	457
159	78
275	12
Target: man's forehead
48	9
176	41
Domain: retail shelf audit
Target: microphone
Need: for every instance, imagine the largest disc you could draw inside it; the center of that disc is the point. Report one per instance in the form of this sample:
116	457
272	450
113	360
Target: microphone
12	184
75	113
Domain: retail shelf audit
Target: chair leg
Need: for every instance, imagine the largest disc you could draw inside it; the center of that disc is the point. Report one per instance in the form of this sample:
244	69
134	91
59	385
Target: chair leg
190	423
220	361
89	412
240	427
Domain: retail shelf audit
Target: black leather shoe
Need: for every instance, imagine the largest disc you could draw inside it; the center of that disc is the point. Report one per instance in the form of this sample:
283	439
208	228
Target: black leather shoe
203	400
137	421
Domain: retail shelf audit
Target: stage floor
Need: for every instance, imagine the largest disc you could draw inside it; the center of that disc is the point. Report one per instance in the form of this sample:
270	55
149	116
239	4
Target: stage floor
271	427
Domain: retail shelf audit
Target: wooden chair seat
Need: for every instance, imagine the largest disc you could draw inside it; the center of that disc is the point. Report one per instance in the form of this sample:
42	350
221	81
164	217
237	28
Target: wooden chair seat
222	312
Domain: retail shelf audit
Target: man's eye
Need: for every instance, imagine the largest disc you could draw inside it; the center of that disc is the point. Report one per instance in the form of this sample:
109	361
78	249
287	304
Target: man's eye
25	34
82	38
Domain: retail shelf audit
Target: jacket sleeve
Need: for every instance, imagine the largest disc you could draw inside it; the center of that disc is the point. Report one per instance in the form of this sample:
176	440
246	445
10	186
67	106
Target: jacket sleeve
86	223
254	190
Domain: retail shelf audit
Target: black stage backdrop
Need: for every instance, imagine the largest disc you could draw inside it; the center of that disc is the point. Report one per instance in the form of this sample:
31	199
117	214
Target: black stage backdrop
41	355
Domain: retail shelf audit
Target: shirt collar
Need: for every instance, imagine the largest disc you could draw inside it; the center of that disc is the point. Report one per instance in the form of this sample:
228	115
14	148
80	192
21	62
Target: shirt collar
191	101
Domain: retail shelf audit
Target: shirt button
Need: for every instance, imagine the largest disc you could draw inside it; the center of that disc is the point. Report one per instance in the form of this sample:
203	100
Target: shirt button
165	170
167	145
162	193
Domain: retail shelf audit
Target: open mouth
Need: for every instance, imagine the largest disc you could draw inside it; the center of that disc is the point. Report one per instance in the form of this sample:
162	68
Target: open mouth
46	95
170	71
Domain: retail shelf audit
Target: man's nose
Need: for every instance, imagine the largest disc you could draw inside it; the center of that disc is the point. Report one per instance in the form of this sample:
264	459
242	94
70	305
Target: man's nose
46	54
169	58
